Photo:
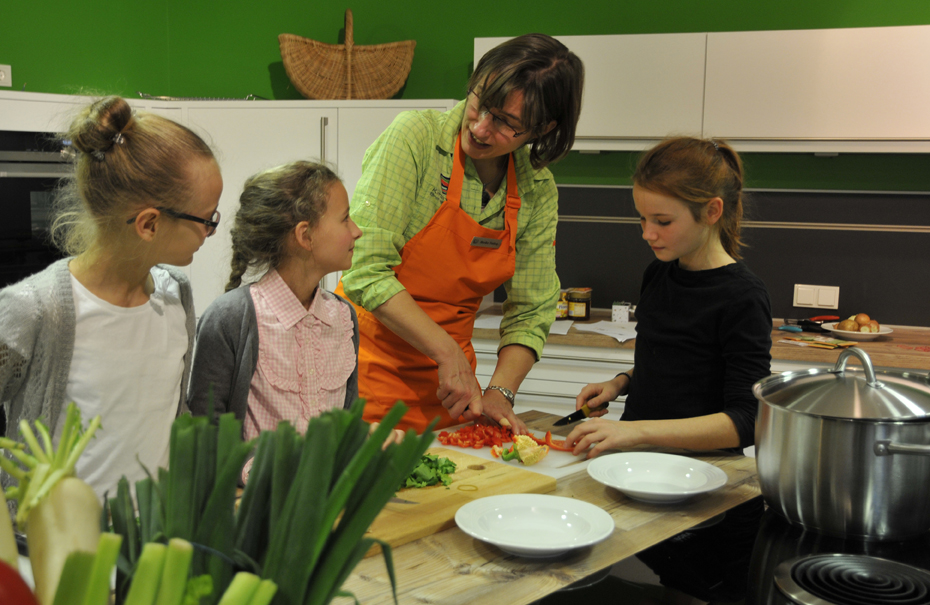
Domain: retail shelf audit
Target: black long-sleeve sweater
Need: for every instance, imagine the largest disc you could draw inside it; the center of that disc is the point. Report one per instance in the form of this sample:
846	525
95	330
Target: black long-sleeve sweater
703	338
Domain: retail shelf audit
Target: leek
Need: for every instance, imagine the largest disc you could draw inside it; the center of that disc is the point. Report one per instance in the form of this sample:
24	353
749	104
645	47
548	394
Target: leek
59	512
147	578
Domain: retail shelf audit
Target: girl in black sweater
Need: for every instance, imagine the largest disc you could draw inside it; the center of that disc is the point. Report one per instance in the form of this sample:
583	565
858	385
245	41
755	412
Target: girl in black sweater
704	321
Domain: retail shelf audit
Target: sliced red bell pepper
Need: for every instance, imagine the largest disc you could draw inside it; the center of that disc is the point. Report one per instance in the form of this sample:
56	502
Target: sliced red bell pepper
557	444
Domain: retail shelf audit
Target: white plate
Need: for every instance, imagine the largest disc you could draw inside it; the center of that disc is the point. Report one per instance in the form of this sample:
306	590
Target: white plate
657	478
534	525
847	335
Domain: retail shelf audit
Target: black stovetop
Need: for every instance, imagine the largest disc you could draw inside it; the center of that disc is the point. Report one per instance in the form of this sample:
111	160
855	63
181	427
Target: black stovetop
732	560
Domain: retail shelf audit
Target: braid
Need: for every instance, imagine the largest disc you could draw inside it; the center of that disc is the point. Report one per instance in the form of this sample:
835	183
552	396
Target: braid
240	264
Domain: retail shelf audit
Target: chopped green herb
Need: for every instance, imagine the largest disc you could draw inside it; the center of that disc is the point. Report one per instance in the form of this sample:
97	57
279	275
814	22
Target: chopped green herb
431	470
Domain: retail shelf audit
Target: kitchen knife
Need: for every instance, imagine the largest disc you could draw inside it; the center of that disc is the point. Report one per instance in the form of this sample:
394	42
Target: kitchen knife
581	414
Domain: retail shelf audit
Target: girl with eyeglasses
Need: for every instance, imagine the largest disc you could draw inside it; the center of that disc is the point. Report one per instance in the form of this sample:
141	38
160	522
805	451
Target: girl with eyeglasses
279	347
111	327
454	205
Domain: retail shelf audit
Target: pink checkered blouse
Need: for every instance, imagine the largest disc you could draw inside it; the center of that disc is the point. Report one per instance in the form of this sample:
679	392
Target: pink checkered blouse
305	356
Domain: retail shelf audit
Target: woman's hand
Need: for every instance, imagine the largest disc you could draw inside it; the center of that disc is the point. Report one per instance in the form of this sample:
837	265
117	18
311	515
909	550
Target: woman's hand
603	435
497	408
598	394
459	390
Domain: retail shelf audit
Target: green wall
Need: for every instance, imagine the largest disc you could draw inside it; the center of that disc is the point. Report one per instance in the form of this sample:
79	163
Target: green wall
207	48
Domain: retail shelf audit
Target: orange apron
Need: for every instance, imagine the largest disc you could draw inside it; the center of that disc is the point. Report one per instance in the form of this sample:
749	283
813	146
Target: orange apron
448	267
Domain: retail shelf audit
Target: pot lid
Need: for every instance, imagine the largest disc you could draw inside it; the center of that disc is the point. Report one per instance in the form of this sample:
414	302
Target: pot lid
850	393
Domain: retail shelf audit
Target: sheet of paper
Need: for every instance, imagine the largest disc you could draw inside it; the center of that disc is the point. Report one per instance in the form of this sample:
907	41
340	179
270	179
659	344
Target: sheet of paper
561	327
621	331
488	322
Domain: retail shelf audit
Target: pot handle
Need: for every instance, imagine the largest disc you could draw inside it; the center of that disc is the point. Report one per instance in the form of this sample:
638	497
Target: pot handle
840	366
887	448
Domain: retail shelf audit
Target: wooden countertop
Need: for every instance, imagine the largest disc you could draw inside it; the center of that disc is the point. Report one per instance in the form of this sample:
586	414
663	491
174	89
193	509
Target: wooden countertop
452	568
907	347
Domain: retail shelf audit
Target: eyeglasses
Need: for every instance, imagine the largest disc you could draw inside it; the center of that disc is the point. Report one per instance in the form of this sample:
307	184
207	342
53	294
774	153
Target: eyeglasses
212	223
500	124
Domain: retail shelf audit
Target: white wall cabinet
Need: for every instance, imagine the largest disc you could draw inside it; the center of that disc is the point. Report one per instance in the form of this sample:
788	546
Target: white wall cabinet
862	90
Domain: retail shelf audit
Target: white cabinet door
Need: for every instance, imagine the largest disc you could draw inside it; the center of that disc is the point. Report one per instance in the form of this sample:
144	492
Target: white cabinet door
37	112
248	138
867	87
639	88
361	123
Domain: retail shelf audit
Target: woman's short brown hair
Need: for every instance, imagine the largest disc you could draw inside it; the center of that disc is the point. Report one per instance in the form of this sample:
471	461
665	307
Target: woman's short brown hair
696	171
551	78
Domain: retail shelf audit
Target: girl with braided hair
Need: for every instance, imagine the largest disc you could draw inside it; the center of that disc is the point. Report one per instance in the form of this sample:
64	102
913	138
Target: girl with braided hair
280	348
111	327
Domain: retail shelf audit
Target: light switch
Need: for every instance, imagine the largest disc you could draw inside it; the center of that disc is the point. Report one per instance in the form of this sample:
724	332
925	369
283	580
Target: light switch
828	297
818	297
804	296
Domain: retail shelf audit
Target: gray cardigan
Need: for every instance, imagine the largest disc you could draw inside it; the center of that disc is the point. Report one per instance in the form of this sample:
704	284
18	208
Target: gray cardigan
226	356
37	324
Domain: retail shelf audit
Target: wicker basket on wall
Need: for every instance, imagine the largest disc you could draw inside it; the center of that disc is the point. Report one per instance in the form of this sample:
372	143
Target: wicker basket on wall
346	71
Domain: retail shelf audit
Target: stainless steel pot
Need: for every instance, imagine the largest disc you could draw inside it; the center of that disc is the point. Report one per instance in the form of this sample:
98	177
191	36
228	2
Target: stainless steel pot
847	452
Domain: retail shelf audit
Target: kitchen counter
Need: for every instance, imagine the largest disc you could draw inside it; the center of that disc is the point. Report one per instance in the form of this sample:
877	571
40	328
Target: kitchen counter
452	568
907	347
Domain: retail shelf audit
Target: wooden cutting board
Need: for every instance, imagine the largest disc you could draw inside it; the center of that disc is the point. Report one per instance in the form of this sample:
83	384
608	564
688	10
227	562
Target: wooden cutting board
436	505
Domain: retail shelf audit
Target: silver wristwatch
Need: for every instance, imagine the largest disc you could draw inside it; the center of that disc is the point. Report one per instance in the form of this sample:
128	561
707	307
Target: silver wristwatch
503	391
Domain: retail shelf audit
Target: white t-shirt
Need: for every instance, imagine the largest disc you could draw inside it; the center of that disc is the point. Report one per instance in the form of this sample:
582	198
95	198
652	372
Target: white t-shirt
127	367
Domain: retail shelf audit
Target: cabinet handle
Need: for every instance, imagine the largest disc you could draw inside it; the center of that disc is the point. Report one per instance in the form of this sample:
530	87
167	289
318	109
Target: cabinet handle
324	122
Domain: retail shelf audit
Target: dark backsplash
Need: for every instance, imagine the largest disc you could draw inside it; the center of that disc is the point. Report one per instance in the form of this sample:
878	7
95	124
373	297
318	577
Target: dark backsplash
791	238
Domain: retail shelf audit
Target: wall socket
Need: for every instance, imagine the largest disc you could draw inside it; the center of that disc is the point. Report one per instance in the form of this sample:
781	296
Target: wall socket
816	297
6	75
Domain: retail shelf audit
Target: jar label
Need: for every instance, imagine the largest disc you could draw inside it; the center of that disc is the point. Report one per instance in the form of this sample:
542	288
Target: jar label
577	309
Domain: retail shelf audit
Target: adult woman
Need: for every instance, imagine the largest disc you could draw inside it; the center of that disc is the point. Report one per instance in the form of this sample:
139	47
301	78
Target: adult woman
453	205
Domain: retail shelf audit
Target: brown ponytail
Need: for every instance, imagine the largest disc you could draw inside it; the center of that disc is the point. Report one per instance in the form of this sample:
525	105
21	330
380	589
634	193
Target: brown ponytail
696	171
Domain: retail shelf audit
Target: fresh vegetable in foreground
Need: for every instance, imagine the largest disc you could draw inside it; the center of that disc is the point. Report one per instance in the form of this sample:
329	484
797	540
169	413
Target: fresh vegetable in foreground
59	512
525	449
431	470
162	578
304	512
477	436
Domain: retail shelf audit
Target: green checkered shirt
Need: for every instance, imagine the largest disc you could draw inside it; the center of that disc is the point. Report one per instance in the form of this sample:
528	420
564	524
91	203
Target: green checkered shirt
400	191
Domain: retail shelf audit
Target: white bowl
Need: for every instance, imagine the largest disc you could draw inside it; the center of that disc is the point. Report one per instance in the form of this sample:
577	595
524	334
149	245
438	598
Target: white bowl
534	525
857	336
657	478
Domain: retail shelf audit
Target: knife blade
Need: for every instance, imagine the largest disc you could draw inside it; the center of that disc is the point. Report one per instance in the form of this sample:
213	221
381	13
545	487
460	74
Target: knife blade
397	500
575	416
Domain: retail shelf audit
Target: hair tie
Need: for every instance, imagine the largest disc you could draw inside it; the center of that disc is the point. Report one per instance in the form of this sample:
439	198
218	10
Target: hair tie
118	138
98	155
714	143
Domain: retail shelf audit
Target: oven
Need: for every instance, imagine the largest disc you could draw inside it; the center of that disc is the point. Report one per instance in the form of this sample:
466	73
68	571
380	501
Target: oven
31	166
